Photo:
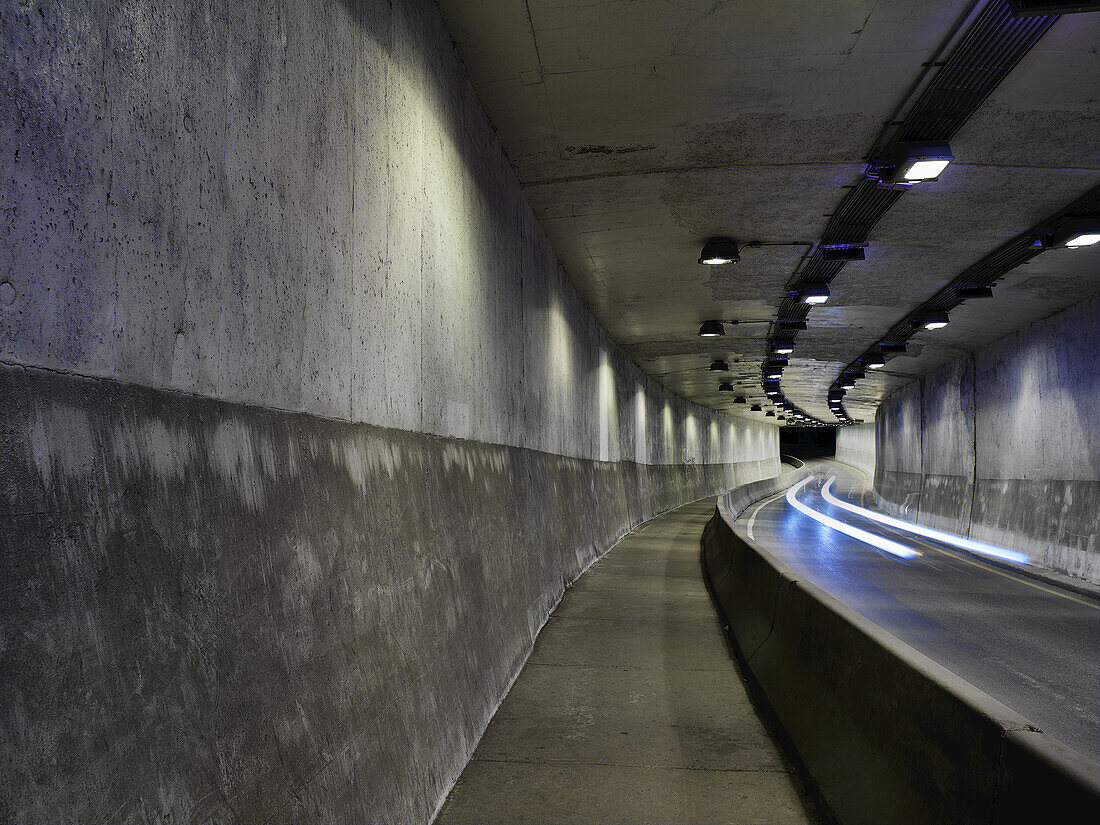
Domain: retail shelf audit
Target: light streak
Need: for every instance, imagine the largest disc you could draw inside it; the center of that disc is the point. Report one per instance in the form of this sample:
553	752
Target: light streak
980	547
879	542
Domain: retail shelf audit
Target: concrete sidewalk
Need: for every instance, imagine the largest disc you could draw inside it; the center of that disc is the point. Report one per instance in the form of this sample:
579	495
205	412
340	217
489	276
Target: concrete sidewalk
630	708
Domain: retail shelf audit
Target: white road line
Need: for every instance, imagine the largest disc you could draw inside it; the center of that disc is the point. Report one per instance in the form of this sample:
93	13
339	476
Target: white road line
752	518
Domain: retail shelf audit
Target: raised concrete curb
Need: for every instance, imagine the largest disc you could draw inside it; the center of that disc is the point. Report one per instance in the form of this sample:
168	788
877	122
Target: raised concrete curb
885	733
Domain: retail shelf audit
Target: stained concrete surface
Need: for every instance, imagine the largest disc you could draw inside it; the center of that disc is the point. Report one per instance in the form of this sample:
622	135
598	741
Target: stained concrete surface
631	708
214	612
1004	444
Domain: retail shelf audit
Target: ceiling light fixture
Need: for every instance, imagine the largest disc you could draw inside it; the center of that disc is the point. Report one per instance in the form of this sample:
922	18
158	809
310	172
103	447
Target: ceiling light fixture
725	386
779	361
814	293
769	414
755	408
719	251
712	329
920	161
933	320
739	399
874	362
1078	232
891	346
783	347
719	366
773	373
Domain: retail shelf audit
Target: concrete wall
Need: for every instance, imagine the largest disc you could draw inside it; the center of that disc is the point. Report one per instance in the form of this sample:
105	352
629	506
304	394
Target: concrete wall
1004	445
856	446
303	428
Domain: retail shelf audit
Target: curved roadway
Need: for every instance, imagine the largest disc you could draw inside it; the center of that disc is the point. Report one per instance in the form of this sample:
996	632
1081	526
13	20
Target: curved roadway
1030	645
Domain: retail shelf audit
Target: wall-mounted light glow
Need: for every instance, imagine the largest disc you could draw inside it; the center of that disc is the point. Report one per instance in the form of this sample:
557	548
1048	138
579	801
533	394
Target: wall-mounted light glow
893	547
874	362
920	161
783	347
719	366
725	386
980	547
933	320
719	251
712	329
813	293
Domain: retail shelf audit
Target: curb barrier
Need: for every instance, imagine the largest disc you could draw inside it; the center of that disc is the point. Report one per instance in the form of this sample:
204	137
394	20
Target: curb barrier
886	734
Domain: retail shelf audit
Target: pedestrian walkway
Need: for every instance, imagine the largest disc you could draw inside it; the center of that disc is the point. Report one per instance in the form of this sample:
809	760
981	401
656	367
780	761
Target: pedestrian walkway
631	708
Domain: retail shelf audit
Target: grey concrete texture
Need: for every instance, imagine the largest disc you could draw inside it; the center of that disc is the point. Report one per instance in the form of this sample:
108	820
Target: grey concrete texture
886	734
300	205
214	612
631	708
1004	445
855	445
640	129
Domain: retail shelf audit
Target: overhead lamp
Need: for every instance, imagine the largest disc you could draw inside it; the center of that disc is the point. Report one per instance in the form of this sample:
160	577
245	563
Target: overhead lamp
965	292
773	373
755	408
855	374
777	362
933	320
771	392
769	414
712	329
814	293
719	366
718	251
919	161
1078	232
843	252
791	323
874	362
739	400
892	346
725	386
783	347
847	383
836	394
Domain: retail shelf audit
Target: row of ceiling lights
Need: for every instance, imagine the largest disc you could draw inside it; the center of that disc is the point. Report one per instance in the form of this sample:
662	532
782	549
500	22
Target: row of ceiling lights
1076	233
913	163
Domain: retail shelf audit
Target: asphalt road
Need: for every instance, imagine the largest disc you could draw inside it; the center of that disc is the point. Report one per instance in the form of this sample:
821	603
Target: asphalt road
1031	645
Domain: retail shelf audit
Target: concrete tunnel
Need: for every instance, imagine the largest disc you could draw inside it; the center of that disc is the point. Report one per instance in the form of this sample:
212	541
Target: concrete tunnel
541	411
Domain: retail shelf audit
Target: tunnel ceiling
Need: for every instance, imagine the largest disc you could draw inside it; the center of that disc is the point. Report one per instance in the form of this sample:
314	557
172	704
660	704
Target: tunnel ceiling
639	128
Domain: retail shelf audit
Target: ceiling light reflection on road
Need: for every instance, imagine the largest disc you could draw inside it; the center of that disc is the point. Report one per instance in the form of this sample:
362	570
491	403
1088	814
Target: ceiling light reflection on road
980	547
892	547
